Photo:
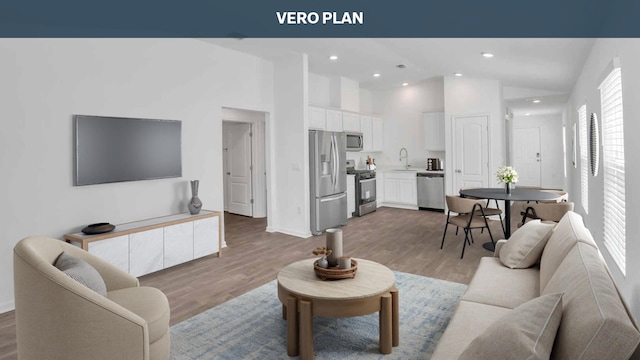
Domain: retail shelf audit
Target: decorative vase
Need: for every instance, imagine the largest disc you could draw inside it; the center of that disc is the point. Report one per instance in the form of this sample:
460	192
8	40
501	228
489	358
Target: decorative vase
508	187
194	204
334	243
323	263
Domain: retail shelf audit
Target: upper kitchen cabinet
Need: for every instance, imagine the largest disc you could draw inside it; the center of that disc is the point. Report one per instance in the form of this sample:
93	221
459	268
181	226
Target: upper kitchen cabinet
351	122
334	120
317	118
372	133
367	132
377	128
434	131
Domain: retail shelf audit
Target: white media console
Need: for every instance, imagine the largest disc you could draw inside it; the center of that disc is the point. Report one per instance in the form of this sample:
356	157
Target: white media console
143	247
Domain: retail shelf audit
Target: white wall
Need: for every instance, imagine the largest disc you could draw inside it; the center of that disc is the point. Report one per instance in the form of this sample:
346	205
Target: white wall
552	171
319	90
290	147
401	109
586	90
46	81
465	96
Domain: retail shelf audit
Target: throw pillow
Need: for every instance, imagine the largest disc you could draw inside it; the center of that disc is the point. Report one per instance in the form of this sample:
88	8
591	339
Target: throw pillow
524	247
527	332
80	271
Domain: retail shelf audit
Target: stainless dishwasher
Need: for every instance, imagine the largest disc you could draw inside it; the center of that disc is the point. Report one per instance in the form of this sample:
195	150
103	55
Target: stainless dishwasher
431	191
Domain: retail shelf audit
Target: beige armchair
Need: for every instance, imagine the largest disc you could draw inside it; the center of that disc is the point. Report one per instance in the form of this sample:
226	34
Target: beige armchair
59	318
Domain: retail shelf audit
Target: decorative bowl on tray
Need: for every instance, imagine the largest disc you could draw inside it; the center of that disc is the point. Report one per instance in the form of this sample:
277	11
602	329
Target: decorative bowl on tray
336	273
99	228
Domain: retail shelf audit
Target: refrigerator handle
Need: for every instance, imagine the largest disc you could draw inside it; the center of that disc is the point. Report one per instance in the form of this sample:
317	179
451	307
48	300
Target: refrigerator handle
334	197
336	164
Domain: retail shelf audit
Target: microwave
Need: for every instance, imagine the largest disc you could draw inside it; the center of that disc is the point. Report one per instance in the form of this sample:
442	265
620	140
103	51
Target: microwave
354	141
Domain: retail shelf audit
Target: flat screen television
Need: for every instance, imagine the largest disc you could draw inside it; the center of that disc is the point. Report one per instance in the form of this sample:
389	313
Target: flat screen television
115	149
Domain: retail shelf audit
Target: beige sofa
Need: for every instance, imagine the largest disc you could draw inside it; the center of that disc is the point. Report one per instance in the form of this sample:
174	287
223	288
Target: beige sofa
57	317
595	323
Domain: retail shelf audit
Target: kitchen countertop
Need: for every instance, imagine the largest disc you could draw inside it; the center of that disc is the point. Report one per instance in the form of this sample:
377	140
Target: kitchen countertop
415	170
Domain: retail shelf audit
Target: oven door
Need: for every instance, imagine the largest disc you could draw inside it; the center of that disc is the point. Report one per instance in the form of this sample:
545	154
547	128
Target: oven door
367	191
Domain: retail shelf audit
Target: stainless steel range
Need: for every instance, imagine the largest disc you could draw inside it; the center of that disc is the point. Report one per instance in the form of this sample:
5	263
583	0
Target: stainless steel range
365	189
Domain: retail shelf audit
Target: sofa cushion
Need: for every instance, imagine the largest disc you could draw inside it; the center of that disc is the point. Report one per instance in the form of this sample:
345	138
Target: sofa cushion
494	284
527	332
468	322
82	272
595	323
148	303
525	246
569	231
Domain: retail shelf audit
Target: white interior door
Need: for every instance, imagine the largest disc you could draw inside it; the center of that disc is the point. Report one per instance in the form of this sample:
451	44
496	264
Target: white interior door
238	169
526	156
471	152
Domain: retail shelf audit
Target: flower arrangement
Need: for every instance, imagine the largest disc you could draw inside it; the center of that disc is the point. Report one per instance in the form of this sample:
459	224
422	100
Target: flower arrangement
507	175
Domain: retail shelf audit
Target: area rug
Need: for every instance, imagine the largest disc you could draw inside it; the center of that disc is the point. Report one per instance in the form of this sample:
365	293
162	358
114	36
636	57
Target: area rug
251	326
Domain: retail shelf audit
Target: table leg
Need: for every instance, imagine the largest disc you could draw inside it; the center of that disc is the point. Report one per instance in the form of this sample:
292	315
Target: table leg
395	318
507	226
292	326
386	324
507	218
306	330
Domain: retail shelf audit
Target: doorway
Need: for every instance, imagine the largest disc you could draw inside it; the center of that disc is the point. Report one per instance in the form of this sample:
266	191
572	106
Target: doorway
471	151
243	163
526	155
237	168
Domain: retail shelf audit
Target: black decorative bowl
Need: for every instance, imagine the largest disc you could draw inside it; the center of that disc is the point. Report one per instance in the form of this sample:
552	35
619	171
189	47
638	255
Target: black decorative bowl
98	228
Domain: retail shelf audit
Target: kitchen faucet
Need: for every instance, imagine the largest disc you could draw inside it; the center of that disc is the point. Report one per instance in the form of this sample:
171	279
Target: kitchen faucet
406	158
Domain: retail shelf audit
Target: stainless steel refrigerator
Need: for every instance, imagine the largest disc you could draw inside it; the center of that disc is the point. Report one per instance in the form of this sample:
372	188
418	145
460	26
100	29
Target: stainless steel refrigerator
328	176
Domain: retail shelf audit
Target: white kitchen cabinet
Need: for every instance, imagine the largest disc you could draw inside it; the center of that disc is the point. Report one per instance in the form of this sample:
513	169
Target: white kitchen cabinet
178	244
334	120
205	236
377	136
400	188
379	189
367	132
146	252
351	195
350	122
114	251
317	118
434	131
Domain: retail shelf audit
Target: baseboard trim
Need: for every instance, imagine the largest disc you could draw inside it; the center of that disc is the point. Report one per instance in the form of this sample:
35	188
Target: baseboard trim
7	306
295	233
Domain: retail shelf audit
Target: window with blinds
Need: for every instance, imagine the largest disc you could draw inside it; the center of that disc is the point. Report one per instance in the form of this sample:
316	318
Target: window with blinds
584	158
613	166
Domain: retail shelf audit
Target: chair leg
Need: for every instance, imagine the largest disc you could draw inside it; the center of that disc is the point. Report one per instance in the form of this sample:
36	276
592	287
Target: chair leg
445	234
504	231
464	244
472	241
457	231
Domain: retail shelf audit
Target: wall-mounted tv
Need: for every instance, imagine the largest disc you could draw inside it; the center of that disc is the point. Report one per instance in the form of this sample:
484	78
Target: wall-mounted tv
115	149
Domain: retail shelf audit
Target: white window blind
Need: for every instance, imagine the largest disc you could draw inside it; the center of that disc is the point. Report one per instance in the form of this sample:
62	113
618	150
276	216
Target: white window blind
584	158
613	165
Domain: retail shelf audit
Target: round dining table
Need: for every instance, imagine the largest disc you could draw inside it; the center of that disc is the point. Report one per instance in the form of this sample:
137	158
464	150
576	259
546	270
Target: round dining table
515	195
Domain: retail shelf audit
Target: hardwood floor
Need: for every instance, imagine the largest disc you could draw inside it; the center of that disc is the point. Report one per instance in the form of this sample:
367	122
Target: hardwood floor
403	240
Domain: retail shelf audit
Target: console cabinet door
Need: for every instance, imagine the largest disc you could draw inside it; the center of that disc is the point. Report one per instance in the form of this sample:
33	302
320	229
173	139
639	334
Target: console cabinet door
114	251
205	237
146	252
178	244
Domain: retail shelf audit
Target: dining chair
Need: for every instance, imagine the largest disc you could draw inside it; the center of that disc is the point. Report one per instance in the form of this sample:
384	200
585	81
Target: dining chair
466	208
547	211
487	210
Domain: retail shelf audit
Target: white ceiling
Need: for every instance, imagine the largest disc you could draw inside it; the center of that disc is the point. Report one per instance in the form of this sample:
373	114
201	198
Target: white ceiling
548	65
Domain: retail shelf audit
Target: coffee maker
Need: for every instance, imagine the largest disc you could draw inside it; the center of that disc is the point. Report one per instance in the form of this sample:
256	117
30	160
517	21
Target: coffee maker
434	164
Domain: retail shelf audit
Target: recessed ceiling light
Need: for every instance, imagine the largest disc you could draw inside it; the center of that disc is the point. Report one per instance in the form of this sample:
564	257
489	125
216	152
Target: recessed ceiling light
527	114
487	54
405	83
535	101
333	57
376	75
401	66
457	74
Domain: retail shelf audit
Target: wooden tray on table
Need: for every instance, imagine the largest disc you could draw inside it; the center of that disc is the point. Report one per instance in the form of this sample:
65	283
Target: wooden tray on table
336	273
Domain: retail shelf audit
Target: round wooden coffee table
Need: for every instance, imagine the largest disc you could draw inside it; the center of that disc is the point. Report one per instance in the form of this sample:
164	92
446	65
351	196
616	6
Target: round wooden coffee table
304	295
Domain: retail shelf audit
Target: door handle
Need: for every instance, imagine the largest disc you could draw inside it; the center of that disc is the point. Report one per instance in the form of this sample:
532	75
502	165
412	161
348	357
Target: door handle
228	173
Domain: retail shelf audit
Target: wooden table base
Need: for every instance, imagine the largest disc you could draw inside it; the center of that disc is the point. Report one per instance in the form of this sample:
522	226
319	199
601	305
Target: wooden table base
299	317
